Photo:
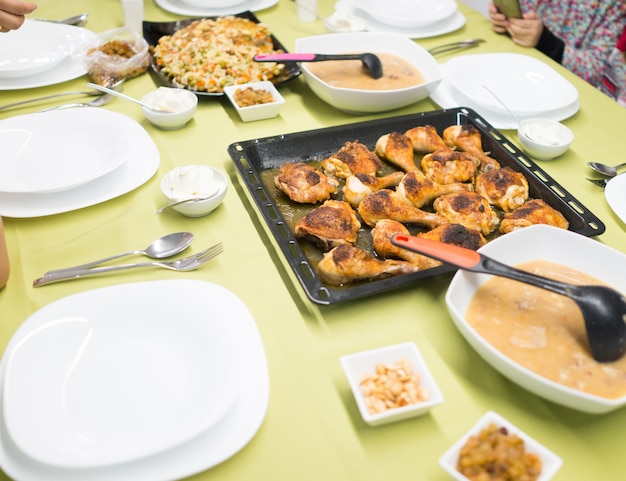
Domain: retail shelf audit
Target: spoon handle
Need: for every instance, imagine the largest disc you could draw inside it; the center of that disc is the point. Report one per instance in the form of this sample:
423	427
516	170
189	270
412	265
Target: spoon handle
304	57
470	260
116	93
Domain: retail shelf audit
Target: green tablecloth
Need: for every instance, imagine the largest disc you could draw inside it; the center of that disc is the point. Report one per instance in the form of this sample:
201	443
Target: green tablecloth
312	430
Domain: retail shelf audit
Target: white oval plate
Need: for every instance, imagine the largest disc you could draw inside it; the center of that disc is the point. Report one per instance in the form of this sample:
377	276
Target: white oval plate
70	67
409	13
615	193
33	48
182	8
119	373
141	164
207	449
58	150
455	22
447	97
526	85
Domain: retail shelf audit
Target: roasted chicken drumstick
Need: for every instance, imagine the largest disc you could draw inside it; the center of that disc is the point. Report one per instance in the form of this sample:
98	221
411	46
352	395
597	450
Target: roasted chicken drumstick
305	184
358	186
425	139
332	223
503	188
352	158
398	150
420	190
469	209
449	166
468	139
534	211
387	204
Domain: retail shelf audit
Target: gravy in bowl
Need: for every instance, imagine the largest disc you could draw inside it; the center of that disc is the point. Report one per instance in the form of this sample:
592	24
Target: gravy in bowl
543	331
350	74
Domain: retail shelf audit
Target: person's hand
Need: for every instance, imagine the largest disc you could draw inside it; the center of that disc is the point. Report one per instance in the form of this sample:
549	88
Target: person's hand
12	13
526	31
499	21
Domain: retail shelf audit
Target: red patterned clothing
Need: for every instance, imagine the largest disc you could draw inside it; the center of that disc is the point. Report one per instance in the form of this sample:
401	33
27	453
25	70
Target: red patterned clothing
614	74
589	30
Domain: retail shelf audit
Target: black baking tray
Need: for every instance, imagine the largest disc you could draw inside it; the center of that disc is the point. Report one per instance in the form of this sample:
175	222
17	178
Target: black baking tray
153	31
256	161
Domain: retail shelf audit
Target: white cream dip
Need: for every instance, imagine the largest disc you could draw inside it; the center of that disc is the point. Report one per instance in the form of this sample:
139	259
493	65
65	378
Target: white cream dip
547	135
170	100
193	181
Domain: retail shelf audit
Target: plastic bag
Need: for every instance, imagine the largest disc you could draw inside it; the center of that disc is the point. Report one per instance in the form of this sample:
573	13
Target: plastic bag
116	54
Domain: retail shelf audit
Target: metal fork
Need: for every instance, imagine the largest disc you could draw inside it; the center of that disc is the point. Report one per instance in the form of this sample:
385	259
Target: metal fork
97	102
600	182
185	264
449	47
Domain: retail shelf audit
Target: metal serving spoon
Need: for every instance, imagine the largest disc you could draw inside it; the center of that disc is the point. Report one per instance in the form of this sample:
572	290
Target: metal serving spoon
126	97
371	62
609	170
603	308
184	201
161	248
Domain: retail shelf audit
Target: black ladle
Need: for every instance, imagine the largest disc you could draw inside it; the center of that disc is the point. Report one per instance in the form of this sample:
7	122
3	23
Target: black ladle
603	308
371	62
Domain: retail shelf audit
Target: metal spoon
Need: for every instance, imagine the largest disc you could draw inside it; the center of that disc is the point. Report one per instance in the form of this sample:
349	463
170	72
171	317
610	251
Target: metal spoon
179	202
515	117
371	62
450	47
76	20
603	308
161	248
609	170
126	97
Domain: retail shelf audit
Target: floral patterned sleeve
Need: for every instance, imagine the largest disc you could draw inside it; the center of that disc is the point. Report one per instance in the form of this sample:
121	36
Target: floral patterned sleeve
589	29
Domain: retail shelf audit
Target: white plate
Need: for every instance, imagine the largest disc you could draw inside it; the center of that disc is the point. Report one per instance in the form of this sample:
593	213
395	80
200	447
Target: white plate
451	24
409	13
526	85
69	68
119	373
57	150
181	8
33	48
615	192
202	452
141	164
446	97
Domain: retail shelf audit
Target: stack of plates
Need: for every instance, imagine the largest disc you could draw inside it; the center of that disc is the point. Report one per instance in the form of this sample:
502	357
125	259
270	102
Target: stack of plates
147	381
214	9
527	86
413	18
42	53
63	160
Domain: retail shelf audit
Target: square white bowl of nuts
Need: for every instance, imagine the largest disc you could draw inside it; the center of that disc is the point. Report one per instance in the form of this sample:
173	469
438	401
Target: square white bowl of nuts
391	383
493	443
255	100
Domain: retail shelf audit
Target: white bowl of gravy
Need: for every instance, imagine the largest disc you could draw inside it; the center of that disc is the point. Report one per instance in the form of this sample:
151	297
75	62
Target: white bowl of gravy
535	338
410	73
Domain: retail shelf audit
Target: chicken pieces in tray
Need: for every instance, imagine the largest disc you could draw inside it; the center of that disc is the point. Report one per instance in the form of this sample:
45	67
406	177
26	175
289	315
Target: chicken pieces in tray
444	188
305	184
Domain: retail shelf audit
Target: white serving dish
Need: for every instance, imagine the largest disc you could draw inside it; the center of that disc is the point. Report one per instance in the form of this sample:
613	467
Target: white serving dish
544	139
409	13
358	365
559	246
615	193
256	112
550	462
368	101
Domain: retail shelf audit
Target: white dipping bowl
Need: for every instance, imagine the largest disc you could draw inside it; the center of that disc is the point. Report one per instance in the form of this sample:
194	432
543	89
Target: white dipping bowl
181	103
195	181
344	22
550	462
556	245
360	364
259	111
544	139
368	101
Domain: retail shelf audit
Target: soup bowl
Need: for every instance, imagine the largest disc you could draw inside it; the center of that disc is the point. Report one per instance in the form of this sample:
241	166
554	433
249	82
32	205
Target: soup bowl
559	246
367	101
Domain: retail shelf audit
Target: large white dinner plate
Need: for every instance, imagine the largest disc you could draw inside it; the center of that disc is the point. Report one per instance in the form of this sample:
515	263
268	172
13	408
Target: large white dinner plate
32	48
141	164
526	85
182	8
615	193
210	447
57	150
120	373
70	67
455	22
447	97
409	13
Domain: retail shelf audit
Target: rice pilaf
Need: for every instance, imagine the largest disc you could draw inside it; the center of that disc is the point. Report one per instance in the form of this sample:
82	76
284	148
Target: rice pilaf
208	54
